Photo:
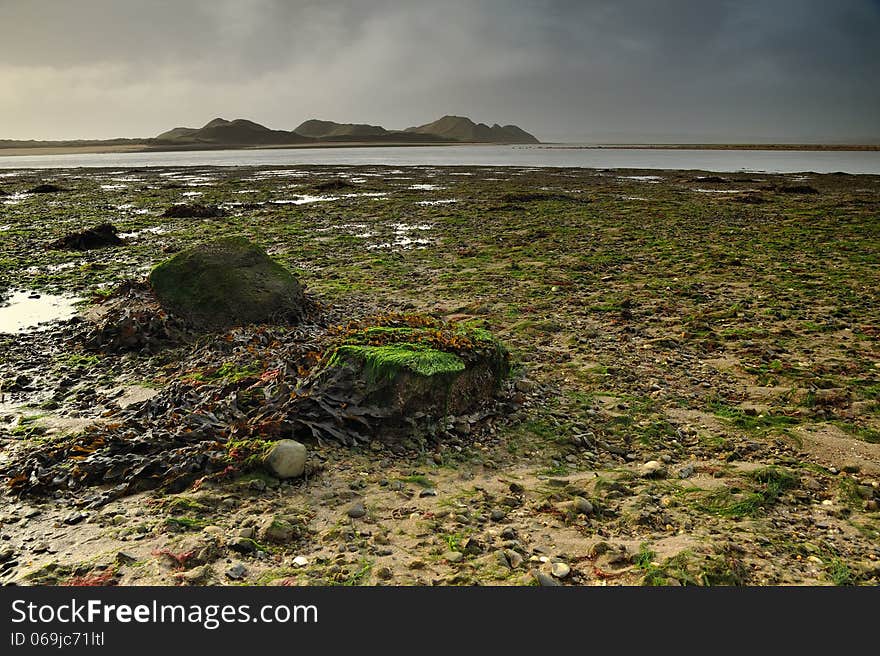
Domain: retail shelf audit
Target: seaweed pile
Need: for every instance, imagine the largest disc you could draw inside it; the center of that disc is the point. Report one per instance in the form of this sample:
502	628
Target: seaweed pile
132	319
233	396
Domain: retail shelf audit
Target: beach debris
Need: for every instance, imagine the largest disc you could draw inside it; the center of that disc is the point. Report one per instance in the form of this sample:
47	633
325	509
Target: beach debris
333	185
100	236
45	188
131	318
797	189
242	395
227	282
193	211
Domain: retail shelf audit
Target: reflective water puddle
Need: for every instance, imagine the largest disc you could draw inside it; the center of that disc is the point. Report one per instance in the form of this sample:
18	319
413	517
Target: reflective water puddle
29	311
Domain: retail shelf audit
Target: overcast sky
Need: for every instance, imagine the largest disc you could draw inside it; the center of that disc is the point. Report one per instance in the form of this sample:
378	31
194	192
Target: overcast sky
590	70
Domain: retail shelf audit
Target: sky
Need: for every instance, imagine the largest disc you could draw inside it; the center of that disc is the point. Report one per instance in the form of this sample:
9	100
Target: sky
624	71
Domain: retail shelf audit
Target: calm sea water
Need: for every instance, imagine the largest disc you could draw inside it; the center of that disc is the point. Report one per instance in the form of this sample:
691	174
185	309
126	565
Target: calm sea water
769	161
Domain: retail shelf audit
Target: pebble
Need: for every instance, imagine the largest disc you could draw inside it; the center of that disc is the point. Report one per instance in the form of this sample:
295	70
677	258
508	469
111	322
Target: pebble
242	545
300	561
384	573
125	558
453	556
497	515
514	558
236	572
582	506
686	472
652	469
560	570
199	575
74	518
430	492
357	510
287	459
545	581
509	533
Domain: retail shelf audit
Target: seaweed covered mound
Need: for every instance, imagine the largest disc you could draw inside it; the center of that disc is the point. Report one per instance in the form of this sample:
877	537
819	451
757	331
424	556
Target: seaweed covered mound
414	366
395	378
227	282
101	236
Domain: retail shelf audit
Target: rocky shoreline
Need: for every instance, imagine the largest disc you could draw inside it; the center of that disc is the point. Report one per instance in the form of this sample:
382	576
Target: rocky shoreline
693	399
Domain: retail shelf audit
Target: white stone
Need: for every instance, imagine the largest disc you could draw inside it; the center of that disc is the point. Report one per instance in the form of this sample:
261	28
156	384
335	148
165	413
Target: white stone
560	570
287	459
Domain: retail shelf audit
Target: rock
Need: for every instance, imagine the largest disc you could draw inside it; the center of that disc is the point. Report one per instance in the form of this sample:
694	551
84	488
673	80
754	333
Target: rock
560	570
300	561
257	484
236	572
545	581
280	530
514	558
287	459
74	518
652	469
384	573
509	533
686	472
525	386
201	574
247	532
357	510
242	545
472	546
453	556
582	506
430	492
101	236
871	505
125	558
865	491
497	515
227	282
421	371
851	468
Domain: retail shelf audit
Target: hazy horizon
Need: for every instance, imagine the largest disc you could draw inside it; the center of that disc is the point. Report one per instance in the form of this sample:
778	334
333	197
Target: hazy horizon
565	71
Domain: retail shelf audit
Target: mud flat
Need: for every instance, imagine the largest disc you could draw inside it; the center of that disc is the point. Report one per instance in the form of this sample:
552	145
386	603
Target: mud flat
693	397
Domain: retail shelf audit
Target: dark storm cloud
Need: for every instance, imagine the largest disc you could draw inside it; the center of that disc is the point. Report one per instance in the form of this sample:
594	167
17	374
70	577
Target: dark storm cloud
632	69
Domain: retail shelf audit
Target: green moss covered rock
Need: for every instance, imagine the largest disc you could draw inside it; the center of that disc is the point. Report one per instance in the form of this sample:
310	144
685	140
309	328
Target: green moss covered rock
227	282
416	369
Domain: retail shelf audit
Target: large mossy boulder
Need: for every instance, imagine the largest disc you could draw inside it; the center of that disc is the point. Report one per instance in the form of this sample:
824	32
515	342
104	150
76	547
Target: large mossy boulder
227	282
414	369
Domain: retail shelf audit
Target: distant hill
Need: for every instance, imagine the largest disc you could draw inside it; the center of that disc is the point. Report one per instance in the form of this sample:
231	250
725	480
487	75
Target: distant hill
242	132
461	128
239	132
320	129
